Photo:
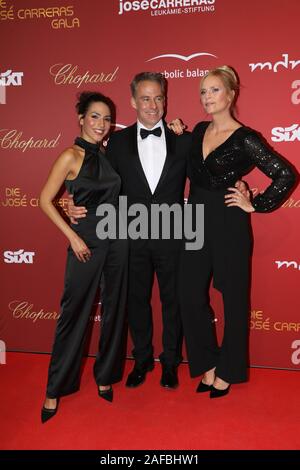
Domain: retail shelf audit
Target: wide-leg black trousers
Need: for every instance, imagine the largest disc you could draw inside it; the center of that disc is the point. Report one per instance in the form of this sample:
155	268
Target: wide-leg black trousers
82	280
224	257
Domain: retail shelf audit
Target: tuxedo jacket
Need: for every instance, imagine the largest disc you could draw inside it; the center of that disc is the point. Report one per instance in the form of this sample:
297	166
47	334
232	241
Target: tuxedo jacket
122	152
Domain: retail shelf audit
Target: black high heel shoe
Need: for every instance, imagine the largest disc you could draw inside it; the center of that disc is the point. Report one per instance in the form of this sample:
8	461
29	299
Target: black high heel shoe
202	387
106	394
48	413
216	393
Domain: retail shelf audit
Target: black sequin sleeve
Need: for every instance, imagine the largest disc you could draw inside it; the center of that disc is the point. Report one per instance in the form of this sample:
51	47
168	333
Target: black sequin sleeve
272	165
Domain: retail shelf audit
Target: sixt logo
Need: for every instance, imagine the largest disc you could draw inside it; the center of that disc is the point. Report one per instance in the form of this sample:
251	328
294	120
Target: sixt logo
9	78
286	134
20	256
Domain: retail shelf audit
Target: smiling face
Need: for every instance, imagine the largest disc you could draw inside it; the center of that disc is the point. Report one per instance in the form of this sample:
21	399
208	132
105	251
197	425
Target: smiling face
95	124
149	103
215	96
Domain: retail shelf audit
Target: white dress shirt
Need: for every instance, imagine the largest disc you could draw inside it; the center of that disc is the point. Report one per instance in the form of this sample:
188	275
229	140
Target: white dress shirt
152	153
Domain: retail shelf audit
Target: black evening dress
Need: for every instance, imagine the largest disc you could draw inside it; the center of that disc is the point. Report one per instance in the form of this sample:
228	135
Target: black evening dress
225	256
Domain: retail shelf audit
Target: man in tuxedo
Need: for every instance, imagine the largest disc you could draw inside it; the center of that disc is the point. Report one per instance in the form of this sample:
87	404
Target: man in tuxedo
151	161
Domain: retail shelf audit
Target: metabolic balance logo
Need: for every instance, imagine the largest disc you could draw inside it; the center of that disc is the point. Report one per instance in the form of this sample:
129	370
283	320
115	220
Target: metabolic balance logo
278	66
166	7
9	78
186	58
188	72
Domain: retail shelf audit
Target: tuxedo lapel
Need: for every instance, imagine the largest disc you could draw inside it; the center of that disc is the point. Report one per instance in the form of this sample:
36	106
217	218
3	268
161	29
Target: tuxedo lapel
171	144
135	156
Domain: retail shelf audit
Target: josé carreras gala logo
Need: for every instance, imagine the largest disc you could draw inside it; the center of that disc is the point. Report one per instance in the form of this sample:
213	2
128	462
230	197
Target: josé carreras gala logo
7	79
166	7
59	16
196	64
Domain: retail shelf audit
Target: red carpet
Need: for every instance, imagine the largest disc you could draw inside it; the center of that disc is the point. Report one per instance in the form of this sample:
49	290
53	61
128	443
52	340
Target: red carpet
260	414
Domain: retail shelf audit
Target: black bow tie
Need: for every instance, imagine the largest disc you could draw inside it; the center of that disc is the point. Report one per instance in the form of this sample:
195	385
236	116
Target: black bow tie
145	132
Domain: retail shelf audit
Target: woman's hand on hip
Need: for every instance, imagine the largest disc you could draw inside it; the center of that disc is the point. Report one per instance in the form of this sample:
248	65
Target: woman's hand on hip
238	199
81	251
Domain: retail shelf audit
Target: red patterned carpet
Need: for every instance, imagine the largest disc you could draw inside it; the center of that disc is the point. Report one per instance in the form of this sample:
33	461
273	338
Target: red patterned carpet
261	414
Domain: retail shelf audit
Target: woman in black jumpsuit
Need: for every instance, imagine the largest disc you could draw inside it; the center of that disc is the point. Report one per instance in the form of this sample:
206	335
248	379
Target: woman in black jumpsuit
222	152
92	181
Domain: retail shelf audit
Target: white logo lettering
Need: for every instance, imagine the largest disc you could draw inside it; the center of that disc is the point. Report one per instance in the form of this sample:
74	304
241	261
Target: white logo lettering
182	57
287	264
283	64
11	78
295	98
296	354
169	6
18	257
286	134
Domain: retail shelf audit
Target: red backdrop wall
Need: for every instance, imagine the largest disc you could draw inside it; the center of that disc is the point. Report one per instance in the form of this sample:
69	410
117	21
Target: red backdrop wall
51	50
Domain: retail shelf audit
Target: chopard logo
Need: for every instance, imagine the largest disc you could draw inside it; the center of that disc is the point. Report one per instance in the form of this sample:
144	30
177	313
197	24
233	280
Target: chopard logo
23	309
13	139
68	74
283	64
182	57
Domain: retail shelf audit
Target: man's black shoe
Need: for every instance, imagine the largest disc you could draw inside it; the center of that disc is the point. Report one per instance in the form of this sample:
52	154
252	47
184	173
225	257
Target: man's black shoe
169	378
138	375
